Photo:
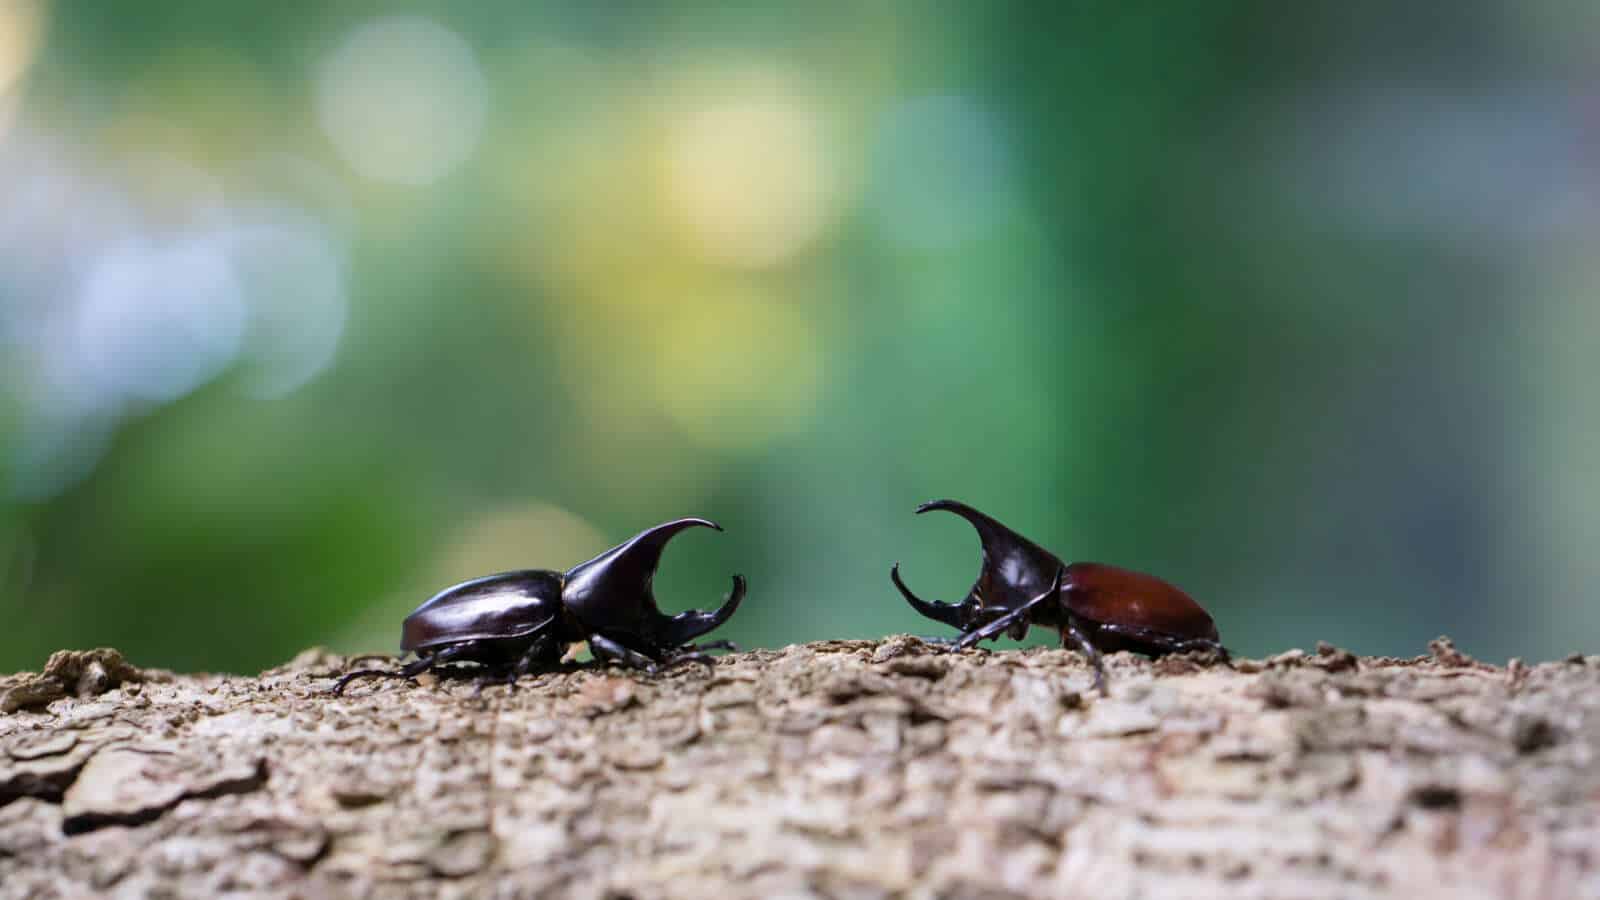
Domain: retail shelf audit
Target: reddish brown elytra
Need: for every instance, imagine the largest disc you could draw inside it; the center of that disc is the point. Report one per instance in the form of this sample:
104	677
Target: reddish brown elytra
1098	607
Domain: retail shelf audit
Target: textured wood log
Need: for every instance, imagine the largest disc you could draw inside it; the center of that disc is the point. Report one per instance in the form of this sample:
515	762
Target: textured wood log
838	769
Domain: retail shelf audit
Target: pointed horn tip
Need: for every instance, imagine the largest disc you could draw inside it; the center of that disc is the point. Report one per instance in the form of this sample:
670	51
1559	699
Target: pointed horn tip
935	504
686	522
690	522
899	583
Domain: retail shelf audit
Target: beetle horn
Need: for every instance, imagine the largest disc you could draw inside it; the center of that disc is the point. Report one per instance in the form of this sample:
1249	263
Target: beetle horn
686	626
629	567
948	613
627	570
1011	563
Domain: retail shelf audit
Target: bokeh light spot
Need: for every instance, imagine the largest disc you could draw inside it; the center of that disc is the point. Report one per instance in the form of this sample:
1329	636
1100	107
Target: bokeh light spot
737	373
294	287
403	100
943	173
749	177
156	322
21	27
124	289
536	535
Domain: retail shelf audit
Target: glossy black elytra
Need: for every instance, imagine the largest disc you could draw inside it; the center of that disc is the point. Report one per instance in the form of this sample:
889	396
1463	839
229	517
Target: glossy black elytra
514	622
1099	607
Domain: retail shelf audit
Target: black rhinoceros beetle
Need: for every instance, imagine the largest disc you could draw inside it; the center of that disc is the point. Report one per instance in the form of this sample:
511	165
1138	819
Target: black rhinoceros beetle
514	622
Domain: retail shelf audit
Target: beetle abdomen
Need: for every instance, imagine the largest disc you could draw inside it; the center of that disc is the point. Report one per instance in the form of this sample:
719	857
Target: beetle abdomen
1116	596
507	605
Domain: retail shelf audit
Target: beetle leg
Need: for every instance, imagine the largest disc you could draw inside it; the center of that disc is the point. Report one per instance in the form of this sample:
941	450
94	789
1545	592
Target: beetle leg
339	686
949	613
1020	614
507	677
696	653
608	649
1166	643
409	670
542	646
987	632
1072	630
1206	644
1185	646
691	656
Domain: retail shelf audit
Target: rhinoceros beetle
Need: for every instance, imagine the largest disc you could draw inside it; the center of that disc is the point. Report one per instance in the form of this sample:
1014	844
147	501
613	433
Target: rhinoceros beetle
1099	607
513	622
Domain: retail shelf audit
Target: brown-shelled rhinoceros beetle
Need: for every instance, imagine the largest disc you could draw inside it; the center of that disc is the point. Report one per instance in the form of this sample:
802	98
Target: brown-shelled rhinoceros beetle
1099	607
514	622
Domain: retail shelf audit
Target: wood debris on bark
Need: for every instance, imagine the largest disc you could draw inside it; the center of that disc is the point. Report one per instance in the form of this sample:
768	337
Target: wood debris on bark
832	769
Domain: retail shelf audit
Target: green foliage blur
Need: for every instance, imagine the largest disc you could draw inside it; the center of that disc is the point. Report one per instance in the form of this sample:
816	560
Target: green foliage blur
309	310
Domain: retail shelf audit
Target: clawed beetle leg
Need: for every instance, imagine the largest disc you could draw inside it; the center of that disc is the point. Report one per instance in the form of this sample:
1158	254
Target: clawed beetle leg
409	670
1078	636
542	646
710	645
507	677
609	650
692	656
1167	643
344	680
1021	614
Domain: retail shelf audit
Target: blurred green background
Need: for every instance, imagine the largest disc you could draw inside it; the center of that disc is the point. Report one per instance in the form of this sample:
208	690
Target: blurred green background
308	310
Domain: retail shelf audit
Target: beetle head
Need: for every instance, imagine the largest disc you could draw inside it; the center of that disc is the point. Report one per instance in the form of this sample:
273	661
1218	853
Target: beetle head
613	592
1015	571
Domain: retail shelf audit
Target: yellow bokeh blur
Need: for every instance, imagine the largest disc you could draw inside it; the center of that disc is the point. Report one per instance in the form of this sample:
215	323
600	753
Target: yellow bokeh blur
21	26
738	371
748	176
508	538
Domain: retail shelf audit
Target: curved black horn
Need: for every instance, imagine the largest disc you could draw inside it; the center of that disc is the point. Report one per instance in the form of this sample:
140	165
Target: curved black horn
686	626
627	569
1015	569
948	613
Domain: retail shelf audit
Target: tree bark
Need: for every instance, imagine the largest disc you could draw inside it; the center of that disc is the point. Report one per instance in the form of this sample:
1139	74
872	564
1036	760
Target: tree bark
837	769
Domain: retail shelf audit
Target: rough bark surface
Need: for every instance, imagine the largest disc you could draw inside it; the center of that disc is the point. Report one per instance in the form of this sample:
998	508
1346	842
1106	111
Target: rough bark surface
837	769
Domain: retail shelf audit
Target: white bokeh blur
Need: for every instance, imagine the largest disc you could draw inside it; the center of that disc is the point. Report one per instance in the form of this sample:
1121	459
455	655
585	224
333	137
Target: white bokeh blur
112	309
403	100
